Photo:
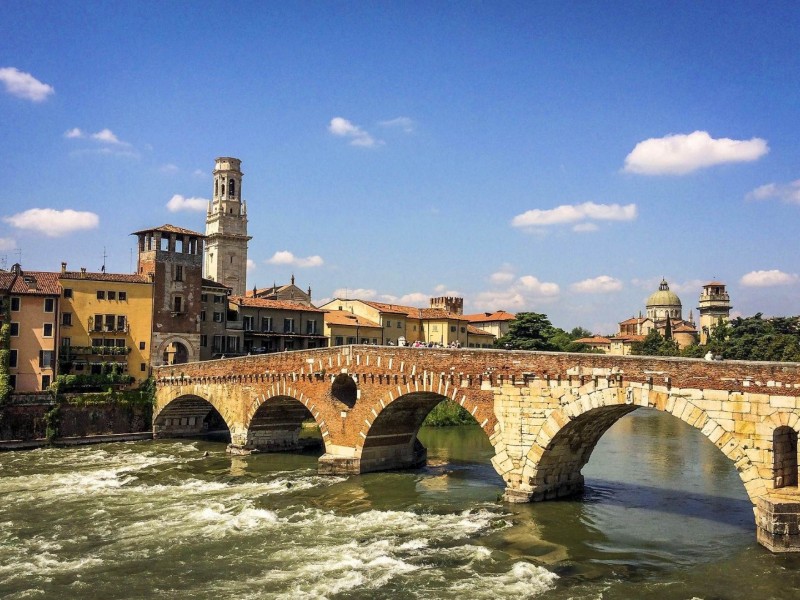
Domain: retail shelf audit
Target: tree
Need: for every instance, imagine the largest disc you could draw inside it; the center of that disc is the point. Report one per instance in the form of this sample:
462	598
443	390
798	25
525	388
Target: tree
654	344
529	331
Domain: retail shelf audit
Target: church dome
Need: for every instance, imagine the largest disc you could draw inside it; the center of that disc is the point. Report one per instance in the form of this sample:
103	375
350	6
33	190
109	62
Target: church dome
664	303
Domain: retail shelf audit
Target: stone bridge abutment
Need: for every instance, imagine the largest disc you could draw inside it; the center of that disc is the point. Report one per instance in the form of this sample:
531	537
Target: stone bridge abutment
544	413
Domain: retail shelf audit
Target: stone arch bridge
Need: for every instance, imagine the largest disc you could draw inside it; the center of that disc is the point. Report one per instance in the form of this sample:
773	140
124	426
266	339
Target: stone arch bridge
543	412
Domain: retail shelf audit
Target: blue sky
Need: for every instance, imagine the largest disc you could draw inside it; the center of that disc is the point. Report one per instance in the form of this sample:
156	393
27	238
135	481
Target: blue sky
557	157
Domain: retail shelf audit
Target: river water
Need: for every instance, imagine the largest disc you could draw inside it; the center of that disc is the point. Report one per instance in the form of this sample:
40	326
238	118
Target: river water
664	516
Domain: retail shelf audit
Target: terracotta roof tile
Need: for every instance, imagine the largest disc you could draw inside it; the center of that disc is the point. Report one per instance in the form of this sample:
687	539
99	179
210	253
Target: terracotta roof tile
343	317
595	339
476	331
276	304
209	283
485	317
170	229
36	283
112	277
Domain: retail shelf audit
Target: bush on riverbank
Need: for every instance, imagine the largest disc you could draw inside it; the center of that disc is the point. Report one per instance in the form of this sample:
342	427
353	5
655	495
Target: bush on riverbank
448	414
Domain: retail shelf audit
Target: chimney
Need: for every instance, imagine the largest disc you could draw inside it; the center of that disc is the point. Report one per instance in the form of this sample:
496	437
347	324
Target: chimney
63	268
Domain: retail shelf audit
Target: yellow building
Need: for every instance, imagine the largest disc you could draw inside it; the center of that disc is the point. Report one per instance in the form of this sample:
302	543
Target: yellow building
106	323
343	327
32	298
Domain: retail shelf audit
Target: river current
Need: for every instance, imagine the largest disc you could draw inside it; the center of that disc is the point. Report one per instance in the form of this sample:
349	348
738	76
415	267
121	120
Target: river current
664	515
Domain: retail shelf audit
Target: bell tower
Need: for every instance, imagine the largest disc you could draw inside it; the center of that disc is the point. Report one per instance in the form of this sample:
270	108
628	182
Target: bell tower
226	228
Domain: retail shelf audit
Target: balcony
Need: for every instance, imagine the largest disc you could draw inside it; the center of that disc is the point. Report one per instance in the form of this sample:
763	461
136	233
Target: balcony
70	352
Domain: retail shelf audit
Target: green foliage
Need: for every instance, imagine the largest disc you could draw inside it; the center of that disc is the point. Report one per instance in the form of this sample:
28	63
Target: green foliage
5	343
654	344
88	382
533	331
756	338
52	421
447	414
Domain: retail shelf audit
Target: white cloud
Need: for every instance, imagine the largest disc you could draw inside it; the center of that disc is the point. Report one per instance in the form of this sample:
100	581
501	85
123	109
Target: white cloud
404	123
575	213
585	227
768	278
414	299
358	293
178	203
53	223
169	169
358	137
284	257
74	133
603	284
7	244
538	288
251	265
789	193
501	277
681	154
510	300
24	85
106	136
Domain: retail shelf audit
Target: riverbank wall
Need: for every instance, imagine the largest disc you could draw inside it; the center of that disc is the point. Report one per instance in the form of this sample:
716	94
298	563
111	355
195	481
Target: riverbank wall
35	420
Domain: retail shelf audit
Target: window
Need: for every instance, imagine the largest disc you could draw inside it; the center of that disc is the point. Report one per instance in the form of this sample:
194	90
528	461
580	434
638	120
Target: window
66	319
288	326
66	342
178	273
142	345
217	343
12	359
67	292
49	304
339	340
399	325
121	323
119	342
101	294
177	304
351	340
266	323
231	188
202	315
45	381
14	329
375	341
388	324
247	323
203	340
47	330
218	299
452	328
14	303
203	297
123	296
311	327
109	323
233	344
97	342
463	329
98	323
111	295
219	317
142	367
46	359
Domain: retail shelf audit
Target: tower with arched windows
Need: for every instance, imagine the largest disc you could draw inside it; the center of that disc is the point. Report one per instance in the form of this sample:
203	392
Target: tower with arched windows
226	228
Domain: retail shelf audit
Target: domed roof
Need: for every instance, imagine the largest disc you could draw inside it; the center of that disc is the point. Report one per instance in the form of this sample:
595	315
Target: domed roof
663	297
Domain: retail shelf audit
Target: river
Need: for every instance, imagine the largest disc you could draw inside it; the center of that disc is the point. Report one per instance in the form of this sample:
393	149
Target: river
664	516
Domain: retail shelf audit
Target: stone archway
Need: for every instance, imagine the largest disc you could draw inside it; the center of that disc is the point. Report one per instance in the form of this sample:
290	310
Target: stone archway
188	416
277	425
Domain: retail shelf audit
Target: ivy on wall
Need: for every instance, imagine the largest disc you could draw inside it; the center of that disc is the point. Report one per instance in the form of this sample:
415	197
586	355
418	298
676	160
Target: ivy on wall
5	343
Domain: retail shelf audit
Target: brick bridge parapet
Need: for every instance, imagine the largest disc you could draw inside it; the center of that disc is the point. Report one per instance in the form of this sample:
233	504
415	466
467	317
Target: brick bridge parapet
543	412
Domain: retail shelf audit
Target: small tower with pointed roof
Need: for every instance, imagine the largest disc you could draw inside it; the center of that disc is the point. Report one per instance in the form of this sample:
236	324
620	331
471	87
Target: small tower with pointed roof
715	304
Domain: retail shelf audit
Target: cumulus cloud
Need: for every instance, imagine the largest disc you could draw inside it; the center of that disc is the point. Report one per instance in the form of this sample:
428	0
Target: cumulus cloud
575	213
106	136
789	192
52	222
504	275
404	123
768	278
107	140
585	227
178	203
251	265
73	133
602	284
680	154
538	288
24	85
7	244
284	257
359	293
358	137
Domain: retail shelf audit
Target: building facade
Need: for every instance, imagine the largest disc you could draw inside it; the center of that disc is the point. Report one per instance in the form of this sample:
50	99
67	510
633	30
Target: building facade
31	299
172	258
106	322
226	228
275	325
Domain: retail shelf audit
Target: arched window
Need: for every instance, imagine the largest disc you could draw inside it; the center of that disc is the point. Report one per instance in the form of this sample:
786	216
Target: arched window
784	446
231	188
223	189
216	187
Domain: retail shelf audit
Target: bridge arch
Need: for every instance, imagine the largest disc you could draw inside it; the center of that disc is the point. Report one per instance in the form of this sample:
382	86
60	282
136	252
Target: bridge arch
565	442
185	414
274	423
389	439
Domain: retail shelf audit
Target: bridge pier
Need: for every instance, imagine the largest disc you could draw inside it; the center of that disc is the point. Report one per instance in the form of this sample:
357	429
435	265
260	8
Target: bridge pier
349	461
778	521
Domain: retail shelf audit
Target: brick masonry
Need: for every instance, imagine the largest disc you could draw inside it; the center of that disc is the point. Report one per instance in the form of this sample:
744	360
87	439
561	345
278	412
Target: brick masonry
543	412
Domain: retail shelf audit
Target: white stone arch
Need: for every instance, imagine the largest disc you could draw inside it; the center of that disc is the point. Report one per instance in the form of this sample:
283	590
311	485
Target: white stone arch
193	353
541	476
172	400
